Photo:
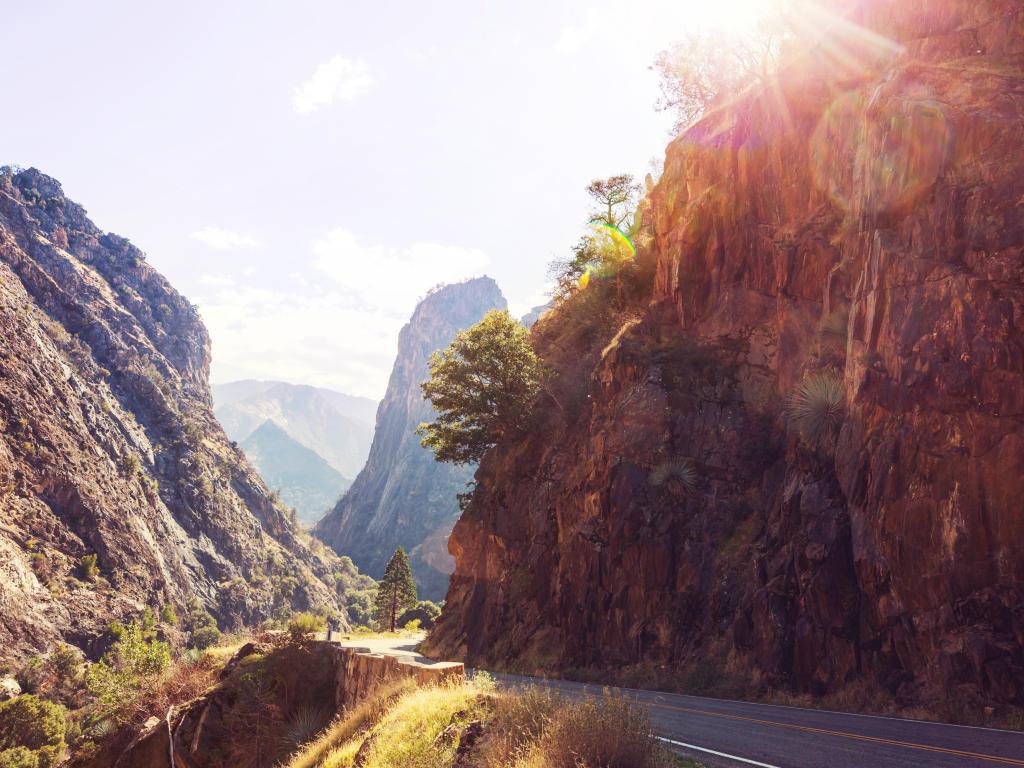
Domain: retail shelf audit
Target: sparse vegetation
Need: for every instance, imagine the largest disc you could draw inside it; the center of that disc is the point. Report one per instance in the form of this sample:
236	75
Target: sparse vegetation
131	667
87	567
469	723
682	471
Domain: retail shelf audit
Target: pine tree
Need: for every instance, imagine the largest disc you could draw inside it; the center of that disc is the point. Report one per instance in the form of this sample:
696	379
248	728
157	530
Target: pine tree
396	591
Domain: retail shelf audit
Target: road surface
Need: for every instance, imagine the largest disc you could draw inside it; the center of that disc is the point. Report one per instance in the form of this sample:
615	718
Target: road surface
721	732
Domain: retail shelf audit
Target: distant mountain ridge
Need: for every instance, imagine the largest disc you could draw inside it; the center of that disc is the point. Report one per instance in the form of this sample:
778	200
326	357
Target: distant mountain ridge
403	496
336	426
306	482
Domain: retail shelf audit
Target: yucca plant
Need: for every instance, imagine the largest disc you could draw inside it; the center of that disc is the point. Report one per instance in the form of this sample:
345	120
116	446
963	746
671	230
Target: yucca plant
817	407
305	725
681	470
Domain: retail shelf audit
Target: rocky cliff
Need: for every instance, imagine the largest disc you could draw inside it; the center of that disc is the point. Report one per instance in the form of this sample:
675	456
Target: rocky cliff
403	497
109	447
853	231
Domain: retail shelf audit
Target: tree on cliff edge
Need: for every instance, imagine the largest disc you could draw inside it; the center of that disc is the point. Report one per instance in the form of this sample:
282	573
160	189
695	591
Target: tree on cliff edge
482	387
396	591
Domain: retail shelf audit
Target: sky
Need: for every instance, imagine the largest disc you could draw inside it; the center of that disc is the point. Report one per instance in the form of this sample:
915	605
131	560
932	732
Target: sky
305	171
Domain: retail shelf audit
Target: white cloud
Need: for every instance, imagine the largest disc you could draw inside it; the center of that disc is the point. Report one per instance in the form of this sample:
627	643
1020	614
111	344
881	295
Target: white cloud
393	279
340	330
225	239
338	79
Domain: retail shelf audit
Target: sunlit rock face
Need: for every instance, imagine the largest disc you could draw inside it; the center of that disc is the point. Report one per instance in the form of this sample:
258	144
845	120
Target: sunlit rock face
859	218
403	497
108	445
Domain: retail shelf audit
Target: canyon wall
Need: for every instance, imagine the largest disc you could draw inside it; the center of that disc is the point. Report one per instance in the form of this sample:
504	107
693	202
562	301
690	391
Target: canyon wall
859	220
109	447
403	497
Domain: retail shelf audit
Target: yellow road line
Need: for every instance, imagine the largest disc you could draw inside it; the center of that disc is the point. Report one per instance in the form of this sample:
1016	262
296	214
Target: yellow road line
845	735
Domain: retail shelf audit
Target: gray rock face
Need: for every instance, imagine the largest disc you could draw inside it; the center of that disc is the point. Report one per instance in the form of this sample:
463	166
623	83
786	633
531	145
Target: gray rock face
402	496
108	444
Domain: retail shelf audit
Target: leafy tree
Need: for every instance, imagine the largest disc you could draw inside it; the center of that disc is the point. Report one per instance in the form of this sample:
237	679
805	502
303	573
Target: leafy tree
396	591
424	611
482	387
615	199
706	66
31	732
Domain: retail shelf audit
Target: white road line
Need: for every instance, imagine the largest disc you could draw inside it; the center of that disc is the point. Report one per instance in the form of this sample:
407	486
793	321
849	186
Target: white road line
713	752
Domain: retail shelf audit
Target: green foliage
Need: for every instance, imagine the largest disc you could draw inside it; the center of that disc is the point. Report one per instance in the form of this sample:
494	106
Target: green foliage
412	626
131	666
87	567
34	725
483	387
396	590
302	626
205	637
817	407
168	615
425	612
65	665
131	465
19	757
148	621
30	675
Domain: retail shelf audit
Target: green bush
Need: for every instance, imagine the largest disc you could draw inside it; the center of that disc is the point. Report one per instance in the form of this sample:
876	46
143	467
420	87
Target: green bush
19	757
302	626
169	615
133	665
204	637
87	567
424	611
35	725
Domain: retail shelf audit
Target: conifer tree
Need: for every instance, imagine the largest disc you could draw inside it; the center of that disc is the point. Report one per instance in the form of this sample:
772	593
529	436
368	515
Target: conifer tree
396	591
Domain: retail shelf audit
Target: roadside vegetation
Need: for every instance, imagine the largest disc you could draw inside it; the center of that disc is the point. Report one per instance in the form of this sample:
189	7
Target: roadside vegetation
473	725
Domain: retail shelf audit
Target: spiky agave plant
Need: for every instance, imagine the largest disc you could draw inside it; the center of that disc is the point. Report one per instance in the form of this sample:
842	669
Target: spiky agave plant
304	725
682	470
817	407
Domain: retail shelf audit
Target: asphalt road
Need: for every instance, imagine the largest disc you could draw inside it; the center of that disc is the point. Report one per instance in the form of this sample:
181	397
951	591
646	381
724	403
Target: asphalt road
721	732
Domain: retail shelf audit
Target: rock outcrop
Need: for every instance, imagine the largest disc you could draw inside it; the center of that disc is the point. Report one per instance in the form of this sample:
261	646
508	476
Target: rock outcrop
109	447
403	497
860	219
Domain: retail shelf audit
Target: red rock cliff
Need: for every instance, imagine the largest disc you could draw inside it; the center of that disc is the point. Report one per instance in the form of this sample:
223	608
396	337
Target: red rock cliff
862	218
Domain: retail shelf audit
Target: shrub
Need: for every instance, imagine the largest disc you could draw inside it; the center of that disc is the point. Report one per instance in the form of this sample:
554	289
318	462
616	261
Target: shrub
425	611
168	615
412	626
302	626
204	637
816	408
131	465
65	664
19	757
126	670
681	470
612	732
36	726
87	567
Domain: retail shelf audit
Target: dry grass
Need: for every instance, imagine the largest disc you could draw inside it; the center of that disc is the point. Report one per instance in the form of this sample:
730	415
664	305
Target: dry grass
527	728
610	732
348	725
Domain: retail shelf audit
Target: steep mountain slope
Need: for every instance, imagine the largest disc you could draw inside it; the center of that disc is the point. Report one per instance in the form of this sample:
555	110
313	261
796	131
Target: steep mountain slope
402	496
336	426
307	483
859	220
108	444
